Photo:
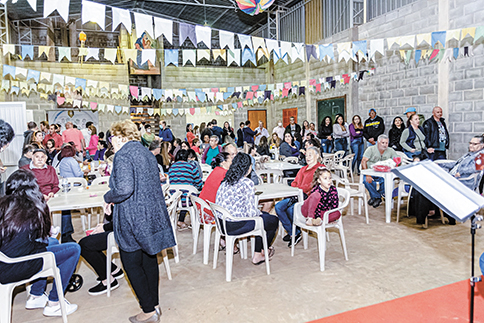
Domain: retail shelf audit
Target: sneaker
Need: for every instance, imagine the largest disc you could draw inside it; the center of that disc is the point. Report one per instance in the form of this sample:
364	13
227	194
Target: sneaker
317	222
119	274
287	238
37	302
371	201
56	309
377	203
297	239
101	288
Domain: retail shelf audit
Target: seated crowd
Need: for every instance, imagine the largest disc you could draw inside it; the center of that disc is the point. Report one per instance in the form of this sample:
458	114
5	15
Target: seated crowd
139	162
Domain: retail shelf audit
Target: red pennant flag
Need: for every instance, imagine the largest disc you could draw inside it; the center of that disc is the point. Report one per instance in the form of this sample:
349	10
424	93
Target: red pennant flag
434	54
249	95
255	87
346	79
287	85
284	93
318	87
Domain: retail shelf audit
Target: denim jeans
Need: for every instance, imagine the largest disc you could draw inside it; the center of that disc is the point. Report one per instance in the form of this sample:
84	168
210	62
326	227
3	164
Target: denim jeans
341	144
374	193
326	145
437	155
66	258
357	147
481	263
286	214
67	227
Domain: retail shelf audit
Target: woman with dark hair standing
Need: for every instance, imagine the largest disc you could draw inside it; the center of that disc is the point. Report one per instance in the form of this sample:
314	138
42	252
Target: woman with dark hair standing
51	151
356	142
340	134
237	195
166	156
228	134
190	135
24	230
395	133
326	135
142	227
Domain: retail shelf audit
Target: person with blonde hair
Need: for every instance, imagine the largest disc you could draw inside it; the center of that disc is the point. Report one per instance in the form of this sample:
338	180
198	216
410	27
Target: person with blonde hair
141	224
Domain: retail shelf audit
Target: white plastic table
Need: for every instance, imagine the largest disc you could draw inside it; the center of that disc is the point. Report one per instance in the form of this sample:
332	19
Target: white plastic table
278	190
76	199
388	178
281	165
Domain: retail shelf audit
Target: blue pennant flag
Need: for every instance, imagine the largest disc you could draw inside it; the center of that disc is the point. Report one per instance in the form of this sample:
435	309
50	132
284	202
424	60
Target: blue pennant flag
456	53
80	83
418	54
171	57
326	50
157	94
27	50
438	36
201	96
359	46
33	75
248	55
8	69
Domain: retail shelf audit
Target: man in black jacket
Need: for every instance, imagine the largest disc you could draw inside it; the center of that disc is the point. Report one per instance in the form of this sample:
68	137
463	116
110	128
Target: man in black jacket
240	135
249	134
216	130
294	129
436	135
374	126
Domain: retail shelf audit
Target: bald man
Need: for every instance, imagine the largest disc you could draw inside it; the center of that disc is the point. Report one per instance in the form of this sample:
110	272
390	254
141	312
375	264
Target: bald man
436	135
74	135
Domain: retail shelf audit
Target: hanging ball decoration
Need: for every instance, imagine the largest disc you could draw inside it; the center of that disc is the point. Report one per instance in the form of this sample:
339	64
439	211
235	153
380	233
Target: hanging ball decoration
82	36
254	7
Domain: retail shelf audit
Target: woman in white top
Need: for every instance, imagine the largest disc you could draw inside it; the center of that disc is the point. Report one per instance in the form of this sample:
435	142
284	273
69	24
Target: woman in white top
341	133
237	195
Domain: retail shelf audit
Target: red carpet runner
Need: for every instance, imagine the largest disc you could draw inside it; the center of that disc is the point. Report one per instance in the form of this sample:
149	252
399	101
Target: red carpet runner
448	303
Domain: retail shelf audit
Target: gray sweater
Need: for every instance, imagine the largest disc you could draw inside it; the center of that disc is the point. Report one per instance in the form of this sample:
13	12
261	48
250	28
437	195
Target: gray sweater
140	217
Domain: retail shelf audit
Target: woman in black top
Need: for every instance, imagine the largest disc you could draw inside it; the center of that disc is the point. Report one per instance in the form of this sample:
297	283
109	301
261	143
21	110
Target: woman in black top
395	133
51	151
325	134
24	230
228	135
263	148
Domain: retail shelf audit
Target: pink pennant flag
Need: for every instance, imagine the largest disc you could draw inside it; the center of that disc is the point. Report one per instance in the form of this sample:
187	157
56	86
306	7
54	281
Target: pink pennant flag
287	85
346	78
249	95
214	89
434	54
318	87
61	100
134	91
254	87
192	111
93	105
312	82
217	113
239	104
285	92
272	97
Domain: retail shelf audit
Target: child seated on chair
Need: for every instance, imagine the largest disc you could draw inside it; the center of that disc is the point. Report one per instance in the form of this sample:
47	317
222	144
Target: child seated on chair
323	197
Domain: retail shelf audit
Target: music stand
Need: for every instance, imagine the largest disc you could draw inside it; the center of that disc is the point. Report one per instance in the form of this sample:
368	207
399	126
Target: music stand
451	196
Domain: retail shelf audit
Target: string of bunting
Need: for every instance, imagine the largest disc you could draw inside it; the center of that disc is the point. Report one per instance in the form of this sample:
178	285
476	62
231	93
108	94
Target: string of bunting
71	91
253	49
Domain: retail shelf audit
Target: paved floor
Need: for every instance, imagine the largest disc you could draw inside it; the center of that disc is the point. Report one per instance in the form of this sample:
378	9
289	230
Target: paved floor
386	261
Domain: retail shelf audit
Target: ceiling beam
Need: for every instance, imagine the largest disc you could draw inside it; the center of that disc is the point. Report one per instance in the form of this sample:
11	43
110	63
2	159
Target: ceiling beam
193	4
220	16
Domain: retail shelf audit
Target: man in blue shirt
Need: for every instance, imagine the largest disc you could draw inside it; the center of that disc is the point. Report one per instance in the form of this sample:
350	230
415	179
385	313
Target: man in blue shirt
249	134
216	130
165	132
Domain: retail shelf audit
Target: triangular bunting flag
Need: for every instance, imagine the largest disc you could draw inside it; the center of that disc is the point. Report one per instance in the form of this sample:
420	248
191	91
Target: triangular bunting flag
121	16
110	54
203	53
226	39
62	7
143	23
44	49
204	34
218	53
189	55
233	56
244	41
93	12
187	31
64	52
164	27
148	55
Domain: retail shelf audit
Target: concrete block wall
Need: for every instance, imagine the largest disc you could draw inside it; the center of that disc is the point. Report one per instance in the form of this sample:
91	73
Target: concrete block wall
116	74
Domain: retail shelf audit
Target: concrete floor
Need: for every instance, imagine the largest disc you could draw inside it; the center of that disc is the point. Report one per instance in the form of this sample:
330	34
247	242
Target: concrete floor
386	261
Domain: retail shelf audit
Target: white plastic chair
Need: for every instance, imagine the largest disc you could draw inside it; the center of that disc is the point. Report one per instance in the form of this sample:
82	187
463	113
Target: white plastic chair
271	175
110	251
402	194
103	181
190	190
100	181
230	239
201	208
172	204
291	159
49	269
75	183
300	221
357	190
405	159
343	166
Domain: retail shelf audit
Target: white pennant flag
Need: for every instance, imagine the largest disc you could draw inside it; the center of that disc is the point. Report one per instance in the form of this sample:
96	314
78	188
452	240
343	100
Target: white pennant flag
271	45
121	16
226	39
126	110
93	12
298	52
204	34
110	108
92	52
148	55
77	103
189	55
70	80
91	83
233	56
145	91
62	7
33	4
58	79
110	54
376	45
244	41
101	107
151	111
143	23
258	42
164	27
344	51
20	71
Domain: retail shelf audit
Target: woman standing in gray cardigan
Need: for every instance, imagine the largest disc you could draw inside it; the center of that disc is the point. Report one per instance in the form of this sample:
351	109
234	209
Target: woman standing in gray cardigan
141	223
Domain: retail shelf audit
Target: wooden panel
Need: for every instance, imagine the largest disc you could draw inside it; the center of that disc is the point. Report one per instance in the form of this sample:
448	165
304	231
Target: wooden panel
254	116
313	21
288	113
